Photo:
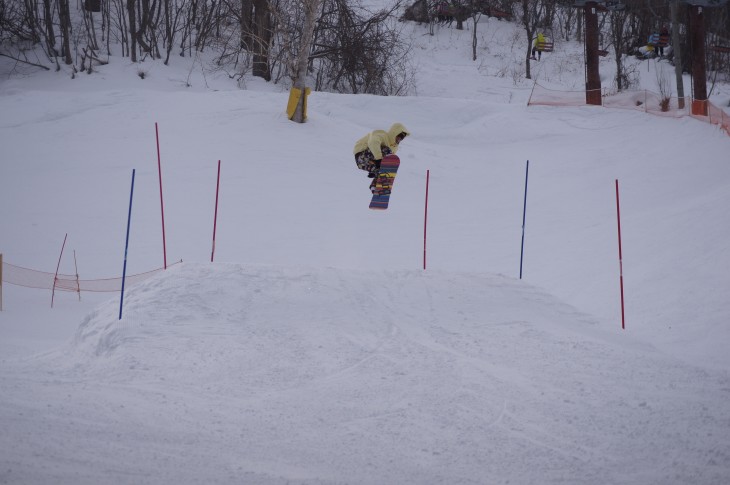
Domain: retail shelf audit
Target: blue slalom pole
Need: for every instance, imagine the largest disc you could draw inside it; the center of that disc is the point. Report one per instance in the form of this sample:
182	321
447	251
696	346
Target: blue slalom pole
524	213
126	246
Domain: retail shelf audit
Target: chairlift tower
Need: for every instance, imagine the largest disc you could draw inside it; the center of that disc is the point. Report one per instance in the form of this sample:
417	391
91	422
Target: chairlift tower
697	46
593	76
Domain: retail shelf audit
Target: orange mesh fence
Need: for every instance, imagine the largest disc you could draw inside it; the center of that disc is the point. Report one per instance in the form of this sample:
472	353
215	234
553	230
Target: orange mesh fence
648	102
645	101
552	97
30	278
716	116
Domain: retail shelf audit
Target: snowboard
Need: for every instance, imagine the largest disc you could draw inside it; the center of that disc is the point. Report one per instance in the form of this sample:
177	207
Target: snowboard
385	180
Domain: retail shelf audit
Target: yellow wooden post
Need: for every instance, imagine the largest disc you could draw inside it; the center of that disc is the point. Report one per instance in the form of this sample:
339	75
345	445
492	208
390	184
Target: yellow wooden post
291	106
294	95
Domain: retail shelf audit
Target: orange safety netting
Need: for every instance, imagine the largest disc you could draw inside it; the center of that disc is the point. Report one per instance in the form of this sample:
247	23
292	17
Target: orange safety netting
646	101
715	115
30	278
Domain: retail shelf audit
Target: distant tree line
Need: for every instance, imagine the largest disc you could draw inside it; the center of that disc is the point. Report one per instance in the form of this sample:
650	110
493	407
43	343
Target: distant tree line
625	25
353	49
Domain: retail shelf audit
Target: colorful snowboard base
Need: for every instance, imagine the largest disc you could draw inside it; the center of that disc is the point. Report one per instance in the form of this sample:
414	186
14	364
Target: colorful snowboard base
386	178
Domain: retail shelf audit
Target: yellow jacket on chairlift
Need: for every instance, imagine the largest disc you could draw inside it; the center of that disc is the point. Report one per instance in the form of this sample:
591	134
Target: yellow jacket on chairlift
539	42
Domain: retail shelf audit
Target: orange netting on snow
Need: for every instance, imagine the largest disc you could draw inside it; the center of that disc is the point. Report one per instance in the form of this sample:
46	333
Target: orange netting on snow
30	278
715	115
646	101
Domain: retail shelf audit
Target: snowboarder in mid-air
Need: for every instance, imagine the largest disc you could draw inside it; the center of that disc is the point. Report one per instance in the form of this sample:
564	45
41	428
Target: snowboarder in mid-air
370	150
375	153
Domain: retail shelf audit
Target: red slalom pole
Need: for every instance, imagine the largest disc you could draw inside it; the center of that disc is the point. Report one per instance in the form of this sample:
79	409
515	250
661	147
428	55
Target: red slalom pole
425	219
620	259
215	216
162	206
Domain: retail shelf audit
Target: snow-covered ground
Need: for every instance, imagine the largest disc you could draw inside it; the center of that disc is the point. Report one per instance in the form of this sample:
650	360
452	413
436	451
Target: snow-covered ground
316	349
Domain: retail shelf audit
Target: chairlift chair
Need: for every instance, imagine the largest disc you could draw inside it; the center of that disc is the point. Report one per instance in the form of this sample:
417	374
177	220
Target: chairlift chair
548	45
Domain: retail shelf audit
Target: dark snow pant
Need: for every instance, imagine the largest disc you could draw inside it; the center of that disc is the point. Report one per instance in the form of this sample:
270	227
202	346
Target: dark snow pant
366	161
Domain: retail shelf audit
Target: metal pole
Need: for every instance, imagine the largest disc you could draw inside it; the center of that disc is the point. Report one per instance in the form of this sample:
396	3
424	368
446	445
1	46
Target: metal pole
126	245
524	214
162	206
215	216
620	259
425	219
1	282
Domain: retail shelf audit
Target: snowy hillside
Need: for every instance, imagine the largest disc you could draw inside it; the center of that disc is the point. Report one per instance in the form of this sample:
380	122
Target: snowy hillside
288	374
315	349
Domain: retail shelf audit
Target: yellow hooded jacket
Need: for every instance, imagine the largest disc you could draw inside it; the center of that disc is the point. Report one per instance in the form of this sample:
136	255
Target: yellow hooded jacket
539	42
374	140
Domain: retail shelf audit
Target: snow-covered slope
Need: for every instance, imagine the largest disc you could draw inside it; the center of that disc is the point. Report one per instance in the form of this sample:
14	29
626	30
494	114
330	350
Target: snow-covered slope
254	374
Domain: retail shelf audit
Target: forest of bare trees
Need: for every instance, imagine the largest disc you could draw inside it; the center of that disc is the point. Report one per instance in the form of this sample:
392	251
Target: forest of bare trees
348	47
349	50
624	26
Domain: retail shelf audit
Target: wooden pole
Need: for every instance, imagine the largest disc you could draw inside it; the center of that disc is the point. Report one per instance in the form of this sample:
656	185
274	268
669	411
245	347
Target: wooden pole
78	285
593	77
55	278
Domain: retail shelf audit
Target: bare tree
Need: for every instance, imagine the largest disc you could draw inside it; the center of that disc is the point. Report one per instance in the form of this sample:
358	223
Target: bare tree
50	32
311	9
621	42
262	35
534	15
64	14
359	51
568	23
475	16
131	12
